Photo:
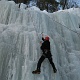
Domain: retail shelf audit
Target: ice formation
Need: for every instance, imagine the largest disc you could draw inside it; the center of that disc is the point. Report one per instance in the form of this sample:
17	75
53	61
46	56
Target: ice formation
20	34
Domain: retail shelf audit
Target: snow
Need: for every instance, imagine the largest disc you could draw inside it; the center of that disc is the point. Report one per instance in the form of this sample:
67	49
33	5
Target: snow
20	36
34	8
22	6
44	11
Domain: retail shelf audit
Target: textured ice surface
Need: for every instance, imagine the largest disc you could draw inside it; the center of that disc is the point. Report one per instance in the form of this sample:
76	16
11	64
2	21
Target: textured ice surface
20	34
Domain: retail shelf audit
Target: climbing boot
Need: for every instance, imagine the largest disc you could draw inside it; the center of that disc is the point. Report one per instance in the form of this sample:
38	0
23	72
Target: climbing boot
55	70
36	72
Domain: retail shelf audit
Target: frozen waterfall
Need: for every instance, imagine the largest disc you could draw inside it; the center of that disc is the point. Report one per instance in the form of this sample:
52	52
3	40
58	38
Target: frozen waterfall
20	34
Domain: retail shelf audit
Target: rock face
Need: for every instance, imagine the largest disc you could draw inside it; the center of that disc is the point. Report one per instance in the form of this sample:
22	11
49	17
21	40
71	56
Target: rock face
20	34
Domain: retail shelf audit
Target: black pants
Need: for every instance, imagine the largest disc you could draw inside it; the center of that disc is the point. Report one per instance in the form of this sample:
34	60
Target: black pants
42	59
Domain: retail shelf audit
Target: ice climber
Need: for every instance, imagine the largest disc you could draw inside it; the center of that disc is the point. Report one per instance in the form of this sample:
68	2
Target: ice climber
45	47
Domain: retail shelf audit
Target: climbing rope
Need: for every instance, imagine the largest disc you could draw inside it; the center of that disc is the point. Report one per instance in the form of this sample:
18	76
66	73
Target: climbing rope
73	26
64	25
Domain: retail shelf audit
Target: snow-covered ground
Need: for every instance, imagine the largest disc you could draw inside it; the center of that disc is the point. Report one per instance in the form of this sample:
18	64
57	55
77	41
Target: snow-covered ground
20	36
